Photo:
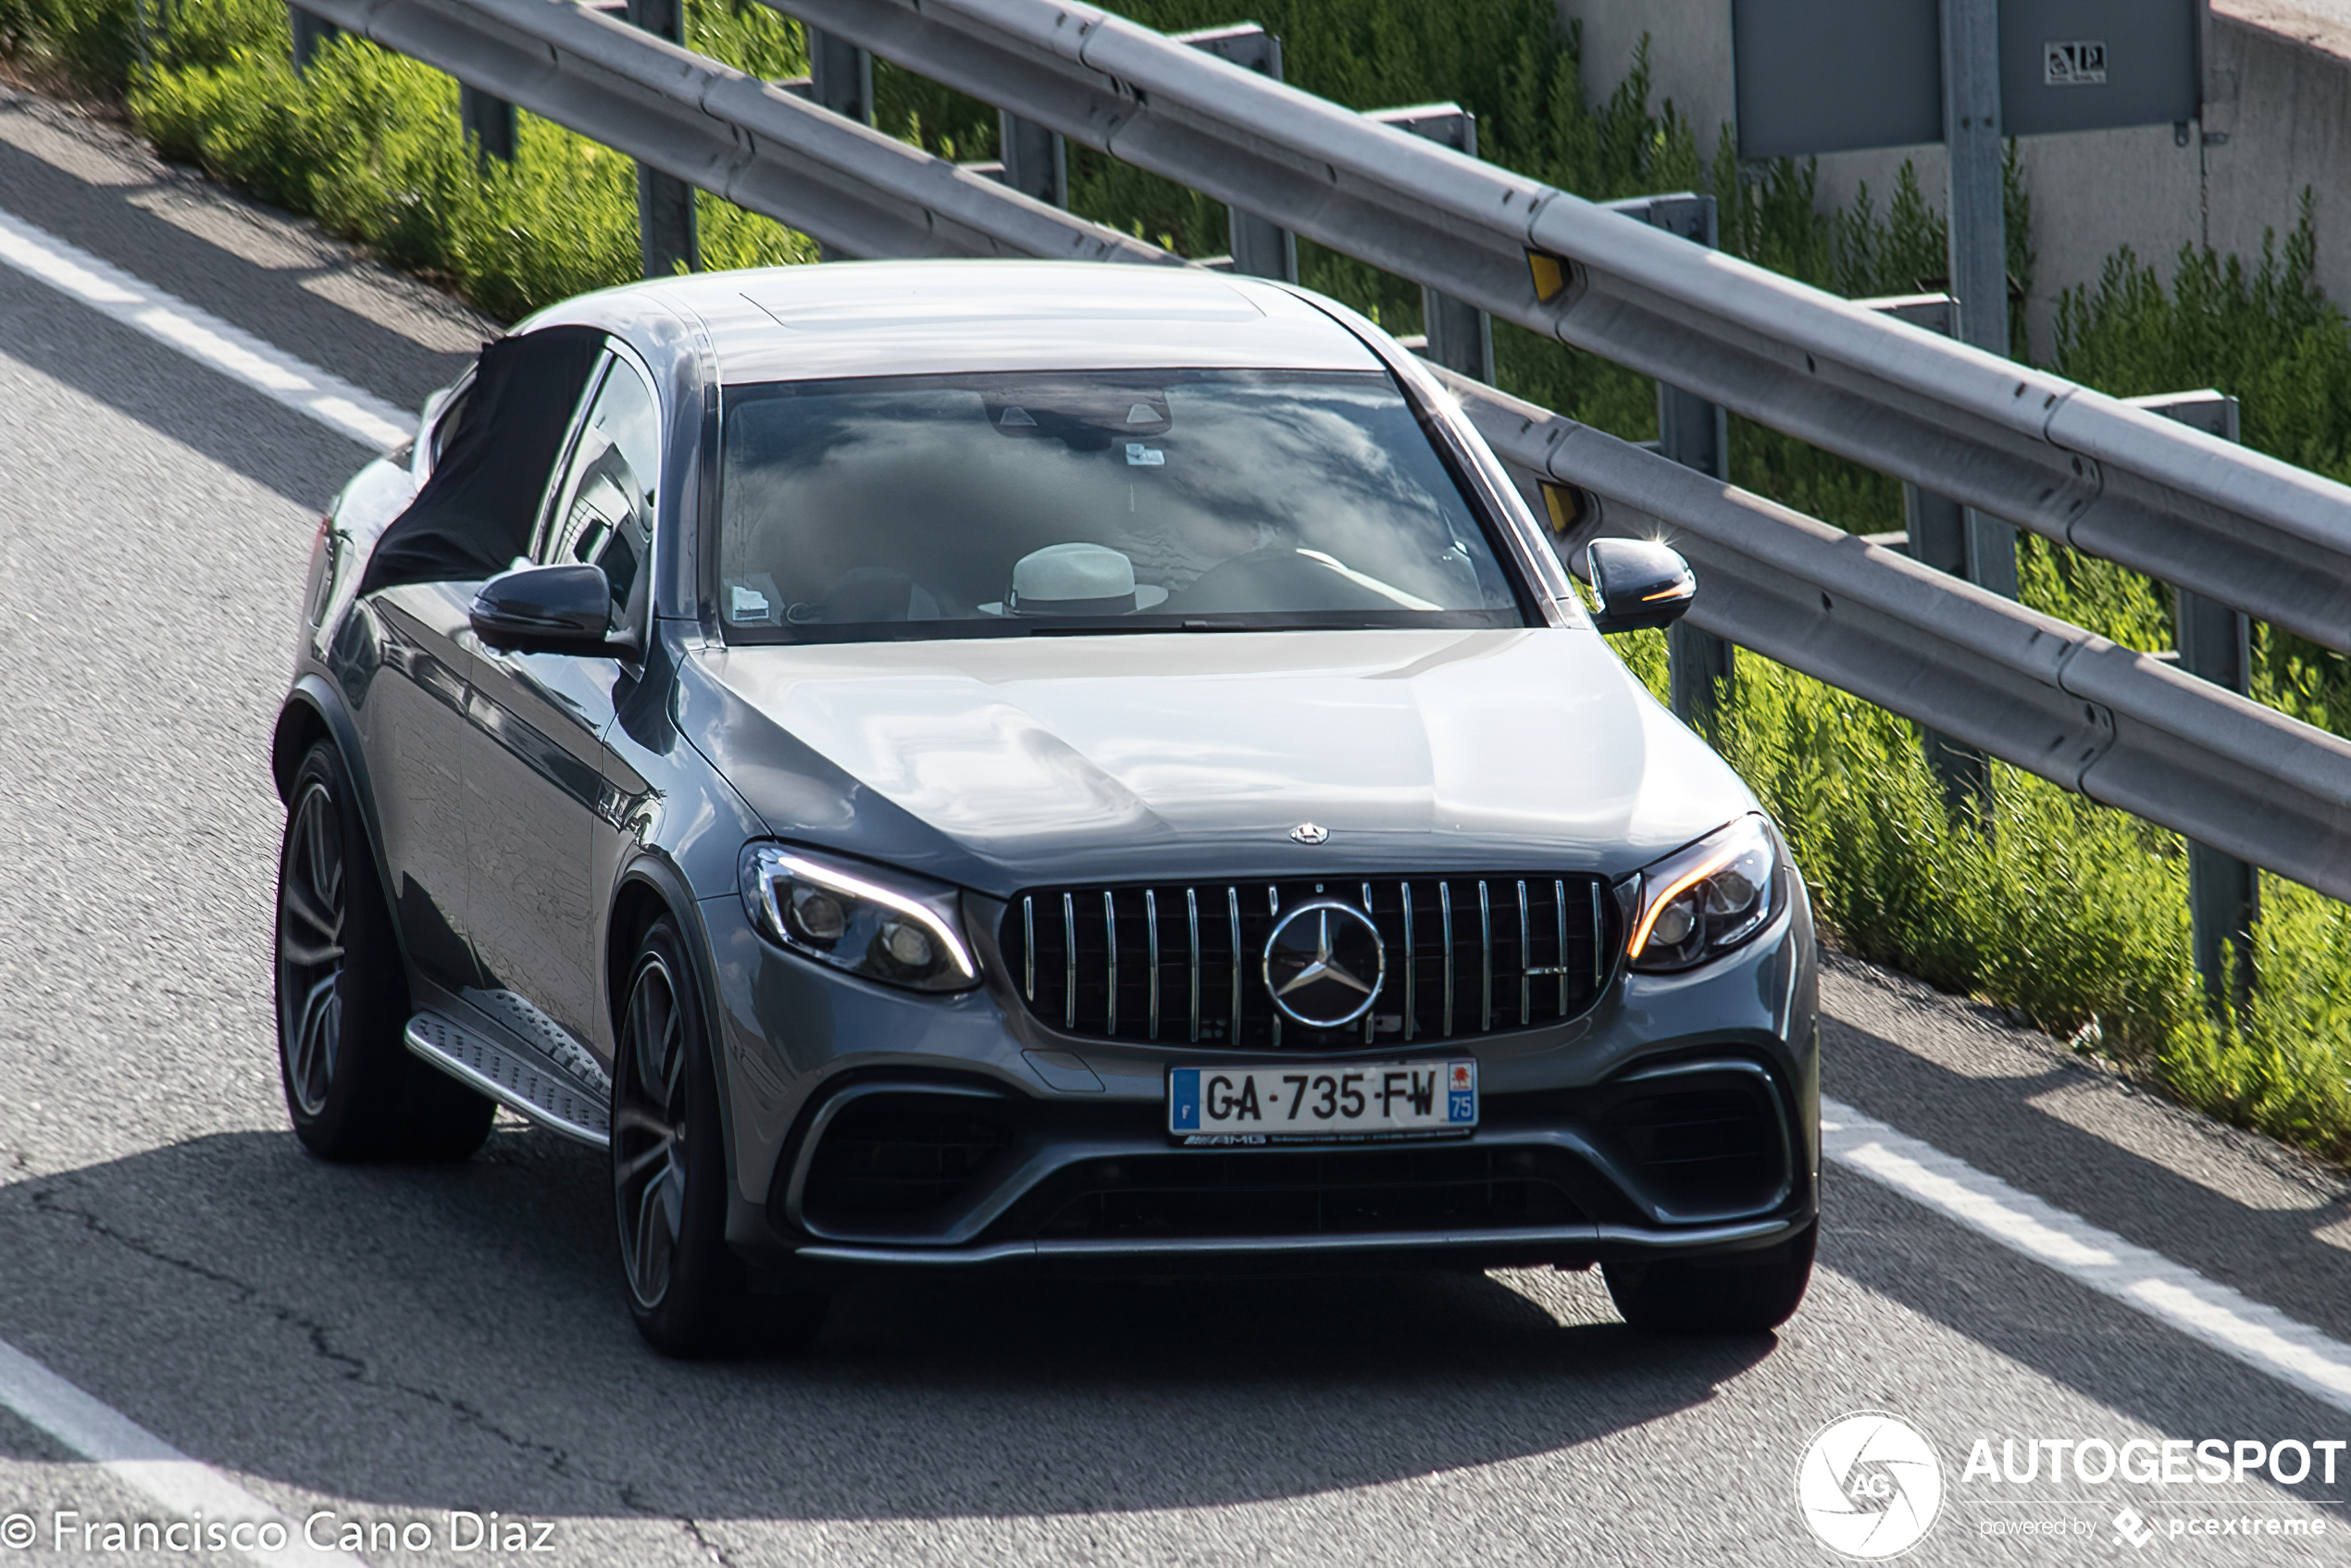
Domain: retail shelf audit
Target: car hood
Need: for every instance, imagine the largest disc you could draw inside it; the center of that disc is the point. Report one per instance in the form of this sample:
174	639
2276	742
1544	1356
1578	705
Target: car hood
1003	763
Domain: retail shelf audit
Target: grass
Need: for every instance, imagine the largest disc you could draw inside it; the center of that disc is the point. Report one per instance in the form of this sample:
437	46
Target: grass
369	143
2072	916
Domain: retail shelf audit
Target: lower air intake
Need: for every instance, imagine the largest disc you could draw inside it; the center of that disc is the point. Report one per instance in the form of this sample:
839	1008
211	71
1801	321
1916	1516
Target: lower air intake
1709	1142
899	1157
1170	1197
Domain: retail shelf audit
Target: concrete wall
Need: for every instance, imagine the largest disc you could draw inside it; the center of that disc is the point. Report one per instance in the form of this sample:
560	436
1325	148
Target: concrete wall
2277	118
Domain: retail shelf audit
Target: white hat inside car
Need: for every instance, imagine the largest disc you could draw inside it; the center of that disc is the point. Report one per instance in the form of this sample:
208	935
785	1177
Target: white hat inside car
1075	579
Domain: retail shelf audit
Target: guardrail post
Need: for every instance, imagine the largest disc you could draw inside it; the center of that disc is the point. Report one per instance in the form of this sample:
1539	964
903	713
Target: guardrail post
1261	248
2215	644
1036	161
489	122
1460	336
311	33
1935	530
842	75
840	78
1696	434
665	234
1978	232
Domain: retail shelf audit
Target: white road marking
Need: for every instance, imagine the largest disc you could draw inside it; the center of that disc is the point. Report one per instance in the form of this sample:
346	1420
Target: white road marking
182	1488
202	337
2260	1336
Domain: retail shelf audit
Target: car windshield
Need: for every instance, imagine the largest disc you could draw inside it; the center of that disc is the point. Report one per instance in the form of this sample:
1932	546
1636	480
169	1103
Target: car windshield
973	505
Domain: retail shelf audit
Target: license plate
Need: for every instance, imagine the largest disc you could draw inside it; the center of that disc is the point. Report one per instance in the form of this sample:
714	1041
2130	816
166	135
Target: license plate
1362	1102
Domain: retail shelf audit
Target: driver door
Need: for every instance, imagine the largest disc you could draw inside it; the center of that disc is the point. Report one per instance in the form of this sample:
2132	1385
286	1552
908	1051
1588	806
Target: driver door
534	765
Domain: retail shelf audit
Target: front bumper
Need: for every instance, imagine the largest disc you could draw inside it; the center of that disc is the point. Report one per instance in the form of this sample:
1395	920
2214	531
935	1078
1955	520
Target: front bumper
871	1128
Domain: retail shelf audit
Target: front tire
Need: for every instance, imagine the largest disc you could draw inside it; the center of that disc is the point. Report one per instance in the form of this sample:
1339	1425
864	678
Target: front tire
686	1289
353	1090
1737	1293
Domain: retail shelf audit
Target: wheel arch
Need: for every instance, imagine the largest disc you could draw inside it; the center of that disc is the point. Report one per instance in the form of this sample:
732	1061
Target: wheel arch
314	711
648	889
302	724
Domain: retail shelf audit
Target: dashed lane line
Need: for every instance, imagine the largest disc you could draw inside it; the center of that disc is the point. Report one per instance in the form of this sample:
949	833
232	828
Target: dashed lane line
2173	1294
189	1492
202	336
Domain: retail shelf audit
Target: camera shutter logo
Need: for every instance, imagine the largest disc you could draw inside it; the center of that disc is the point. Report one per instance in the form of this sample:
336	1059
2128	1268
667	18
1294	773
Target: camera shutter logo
1869	1485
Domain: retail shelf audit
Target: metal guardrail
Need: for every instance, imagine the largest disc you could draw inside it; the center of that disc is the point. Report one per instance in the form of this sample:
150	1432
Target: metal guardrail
2121	728
757	144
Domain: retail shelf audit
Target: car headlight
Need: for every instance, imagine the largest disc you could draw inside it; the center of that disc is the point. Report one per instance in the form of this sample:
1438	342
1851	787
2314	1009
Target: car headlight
1699	902
883	925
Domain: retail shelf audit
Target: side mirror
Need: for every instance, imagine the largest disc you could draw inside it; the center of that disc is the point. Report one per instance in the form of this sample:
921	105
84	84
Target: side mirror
558	609
1638	584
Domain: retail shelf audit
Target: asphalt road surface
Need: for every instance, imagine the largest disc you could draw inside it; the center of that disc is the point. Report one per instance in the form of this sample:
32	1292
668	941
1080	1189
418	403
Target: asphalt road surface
196	1318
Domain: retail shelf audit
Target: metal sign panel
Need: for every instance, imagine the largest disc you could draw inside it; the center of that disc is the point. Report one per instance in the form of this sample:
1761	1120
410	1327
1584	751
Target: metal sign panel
1822	76
1832	76
2094	64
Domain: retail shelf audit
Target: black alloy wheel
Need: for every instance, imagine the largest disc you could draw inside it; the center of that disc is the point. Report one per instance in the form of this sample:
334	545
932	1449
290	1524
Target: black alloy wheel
353	1090
651	1138
687	1289
1736	1293
311	914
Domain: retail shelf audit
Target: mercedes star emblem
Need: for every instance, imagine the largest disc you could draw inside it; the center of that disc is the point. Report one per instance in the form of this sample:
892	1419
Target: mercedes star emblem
1310	833
1324	963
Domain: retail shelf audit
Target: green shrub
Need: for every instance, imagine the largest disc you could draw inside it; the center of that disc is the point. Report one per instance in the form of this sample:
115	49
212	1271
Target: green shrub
369	144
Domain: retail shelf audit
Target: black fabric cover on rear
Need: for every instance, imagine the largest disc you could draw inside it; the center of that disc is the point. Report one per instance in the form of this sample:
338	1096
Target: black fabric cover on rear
474	515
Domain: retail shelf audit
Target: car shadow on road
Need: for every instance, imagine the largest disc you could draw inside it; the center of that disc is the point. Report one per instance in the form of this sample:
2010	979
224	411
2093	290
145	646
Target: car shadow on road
1991	1120
2114	1357
277	1315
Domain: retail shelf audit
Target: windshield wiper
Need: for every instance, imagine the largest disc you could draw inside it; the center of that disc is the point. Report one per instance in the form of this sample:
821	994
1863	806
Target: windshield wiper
1136	628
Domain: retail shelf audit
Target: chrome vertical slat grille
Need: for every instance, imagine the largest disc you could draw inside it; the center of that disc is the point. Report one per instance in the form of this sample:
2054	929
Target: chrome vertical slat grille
1110	927
1526	981
1485	960
1069	936
1411	967
1558	903
1100	970
1232	906
1601	947
1151	924
1191	917
1445	902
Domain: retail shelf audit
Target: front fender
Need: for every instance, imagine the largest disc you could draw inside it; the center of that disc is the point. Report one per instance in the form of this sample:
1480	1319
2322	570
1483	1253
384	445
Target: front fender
314	711
646	884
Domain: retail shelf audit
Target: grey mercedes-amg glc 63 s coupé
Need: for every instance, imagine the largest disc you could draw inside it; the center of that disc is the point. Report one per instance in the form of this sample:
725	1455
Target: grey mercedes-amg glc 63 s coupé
947	765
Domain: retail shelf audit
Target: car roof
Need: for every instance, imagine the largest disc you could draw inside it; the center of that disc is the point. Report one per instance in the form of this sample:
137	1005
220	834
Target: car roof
906	318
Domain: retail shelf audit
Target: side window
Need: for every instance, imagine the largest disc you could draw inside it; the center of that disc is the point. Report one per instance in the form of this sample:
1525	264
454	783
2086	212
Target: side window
602	507
444	427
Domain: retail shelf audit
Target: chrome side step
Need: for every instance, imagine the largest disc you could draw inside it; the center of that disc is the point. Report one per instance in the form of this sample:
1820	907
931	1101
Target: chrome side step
522	1081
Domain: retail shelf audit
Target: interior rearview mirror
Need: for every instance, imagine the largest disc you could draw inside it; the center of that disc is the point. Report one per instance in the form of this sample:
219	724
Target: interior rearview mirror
1639	584
559	609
